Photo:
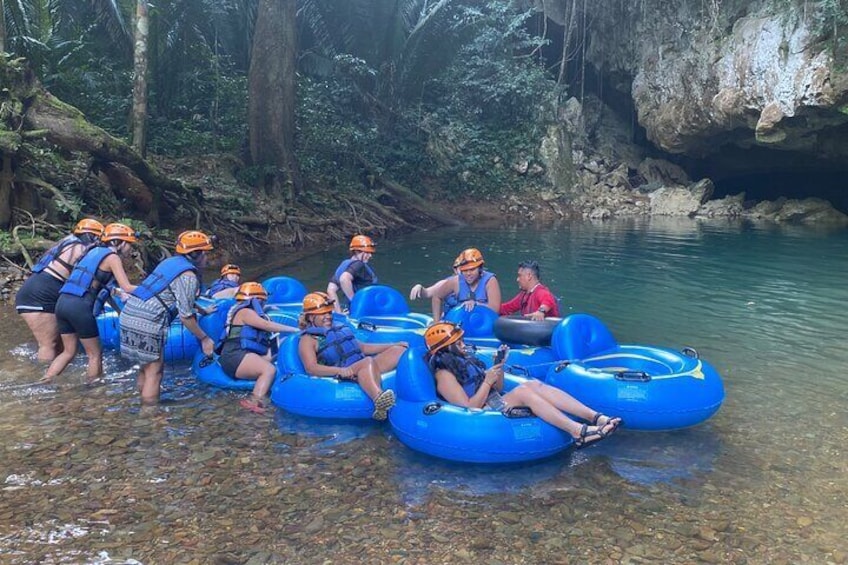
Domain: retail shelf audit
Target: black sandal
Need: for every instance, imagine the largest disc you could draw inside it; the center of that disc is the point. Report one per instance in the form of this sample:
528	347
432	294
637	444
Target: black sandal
585	435
614	420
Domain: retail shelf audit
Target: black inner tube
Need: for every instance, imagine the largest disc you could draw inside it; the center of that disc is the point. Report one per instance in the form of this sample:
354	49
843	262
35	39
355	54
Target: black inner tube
523	331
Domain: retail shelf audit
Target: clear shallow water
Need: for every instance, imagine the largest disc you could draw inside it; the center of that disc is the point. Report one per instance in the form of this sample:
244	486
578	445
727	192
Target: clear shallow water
87	477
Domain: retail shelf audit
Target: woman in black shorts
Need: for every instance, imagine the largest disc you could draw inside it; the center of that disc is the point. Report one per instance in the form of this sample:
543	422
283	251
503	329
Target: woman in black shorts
245	351
36	299
98	268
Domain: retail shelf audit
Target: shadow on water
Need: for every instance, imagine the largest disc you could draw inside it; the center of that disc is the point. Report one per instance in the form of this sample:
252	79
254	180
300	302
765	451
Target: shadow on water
676	459
330	434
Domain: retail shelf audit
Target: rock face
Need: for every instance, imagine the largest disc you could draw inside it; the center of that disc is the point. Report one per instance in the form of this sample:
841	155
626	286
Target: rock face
705	74
708	80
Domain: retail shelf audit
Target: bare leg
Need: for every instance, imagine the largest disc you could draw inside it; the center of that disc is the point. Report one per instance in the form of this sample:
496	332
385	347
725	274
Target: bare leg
387	360
46	332
94	351
61	361
150	379
524	395
562	400
255	366
368	377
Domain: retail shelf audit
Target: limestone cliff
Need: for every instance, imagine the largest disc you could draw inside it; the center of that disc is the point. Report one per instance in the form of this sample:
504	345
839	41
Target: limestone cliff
707	73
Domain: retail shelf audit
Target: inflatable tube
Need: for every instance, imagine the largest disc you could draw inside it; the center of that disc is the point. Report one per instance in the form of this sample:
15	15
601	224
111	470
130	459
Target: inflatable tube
285	290
180	344
530	362
652	388
320	397
426	424
478	324
369	333
377	300
519	330
209	371
109	330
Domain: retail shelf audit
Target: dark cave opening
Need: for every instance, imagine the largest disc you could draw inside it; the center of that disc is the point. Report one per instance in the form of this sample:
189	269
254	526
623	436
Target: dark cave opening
762	173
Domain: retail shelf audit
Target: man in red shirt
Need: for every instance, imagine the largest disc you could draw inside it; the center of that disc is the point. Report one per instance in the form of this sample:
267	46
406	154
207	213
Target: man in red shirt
535	300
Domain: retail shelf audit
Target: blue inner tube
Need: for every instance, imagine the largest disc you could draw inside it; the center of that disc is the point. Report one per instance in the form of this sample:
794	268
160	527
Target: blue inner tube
209	371
424	423
320	397
652	388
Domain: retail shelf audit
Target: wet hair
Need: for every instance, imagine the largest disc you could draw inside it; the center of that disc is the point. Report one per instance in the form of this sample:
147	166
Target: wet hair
88	238
530	266
453	360
194	256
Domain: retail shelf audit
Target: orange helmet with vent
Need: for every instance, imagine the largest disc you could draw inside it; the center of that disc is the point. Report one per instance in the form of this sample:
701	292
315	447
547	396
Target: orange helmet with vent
119	232
471	259
458	261
249	290
317	303
193	240
87	225
440	335
362	243
230	269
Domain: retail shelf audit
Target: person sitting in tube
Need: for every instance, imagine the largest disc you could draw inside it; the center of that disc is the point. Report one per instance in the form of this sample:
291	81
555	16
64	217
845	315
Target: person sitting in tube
227	285
245	348
96	271
354	273
463	380
534	299
433	291
473	285
331	350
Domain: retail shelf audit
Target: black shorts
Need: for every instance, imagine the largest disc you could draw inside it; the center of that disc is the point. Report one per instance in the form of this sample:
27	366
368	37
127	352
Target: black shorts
39	293
74	315
231	357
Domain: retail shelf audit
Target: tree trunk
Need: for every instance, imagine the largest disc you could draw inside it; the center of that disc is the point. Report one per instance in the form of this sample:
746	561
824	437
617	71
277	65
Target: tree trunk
272	89
7	177
2	27
32	113
139	102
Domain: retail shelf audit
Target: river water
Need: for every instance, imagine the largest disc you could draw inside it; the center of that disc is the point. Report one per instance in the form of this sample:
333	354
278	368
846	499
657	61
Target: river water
88	477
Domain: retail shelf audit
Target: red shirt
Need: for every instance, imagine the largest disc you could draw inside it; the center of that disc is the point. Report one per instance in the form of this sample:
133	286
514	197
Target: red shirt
528	302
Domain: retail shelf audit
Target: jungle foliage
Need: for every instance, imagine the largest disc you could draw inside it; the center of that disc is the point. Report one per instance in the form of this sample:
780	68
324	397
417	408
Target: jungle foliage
447	87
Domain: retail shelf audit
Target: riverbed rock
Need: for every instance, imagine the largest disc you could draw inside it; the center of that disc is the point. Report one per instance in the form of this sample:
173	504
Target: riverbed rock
680	201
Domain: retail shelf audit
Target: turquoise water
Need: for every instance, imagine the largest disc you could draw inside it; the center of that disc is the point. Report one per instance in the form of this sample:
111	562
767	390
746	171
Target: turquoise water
88	478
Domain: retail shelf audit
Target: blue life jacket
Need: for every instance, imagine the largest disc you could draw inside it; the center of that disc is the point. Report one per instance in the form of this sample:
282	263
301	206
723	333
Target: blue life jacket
218	286
358	283
83	275
337	345
480	295
450	301
249	338
54	252
162	276
469	371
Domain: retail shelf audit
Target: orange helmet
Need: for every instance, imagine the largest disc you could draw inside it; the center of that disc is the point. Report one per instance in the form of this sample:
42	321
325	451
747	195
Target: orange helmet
119	232
87	225
249	290
457	263
440	335
471	259
189	241
362	243
317	303
230	269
